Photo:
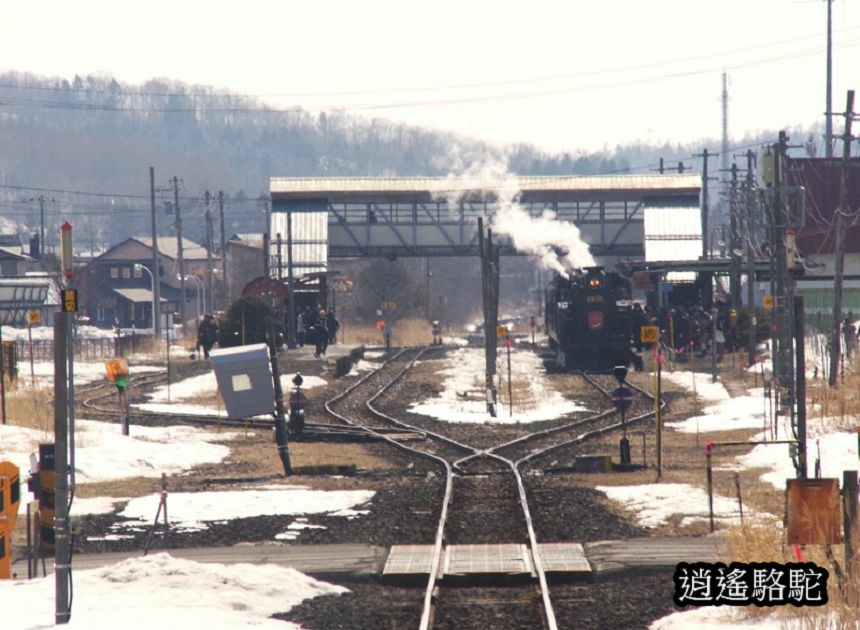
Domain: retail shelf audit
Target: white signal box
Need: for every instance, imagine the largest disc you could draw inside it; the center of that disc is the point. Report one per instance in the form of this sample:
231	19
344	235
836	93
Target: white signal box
244	376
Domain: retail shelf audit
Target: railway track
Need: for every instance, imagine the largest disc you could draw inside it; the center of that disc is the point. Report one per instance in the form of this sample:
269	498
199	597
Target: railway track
483	485
101	402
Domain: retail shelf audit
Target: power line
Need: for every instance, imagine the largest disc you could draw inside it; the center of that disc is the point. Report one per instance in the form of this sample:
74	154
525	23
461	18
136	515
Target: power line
456	86
197	199
263	109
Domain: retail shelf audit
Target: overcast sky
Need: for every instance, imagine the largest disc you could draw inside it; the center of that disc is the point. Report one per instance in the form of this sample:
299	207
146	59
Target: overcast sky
563	75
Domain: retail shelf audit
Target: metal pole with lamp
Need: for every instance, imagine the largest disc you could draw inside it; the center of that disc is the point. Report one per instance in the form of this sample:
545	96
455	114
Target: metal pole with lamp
201	295
207	298
197	286
155	313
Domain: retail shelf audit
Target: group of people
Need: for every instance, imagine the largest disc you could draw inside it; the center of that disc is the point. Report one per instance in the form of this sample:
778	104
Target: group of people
686	330
314	326
317	327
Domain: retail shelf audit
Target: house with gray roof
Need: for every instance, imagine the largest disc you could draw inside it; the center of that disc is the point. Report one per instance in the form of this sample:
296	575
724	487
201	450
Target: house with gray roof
116	289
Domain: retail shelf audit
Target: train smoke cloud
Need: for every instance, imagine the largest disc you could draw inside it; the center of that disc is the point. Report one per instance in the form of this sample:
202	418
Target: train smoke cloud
557	245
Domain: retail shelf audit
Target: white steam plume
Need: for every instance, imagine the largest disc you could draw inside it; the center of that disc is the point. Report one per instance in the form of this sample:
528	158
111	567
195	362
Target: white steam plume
556	245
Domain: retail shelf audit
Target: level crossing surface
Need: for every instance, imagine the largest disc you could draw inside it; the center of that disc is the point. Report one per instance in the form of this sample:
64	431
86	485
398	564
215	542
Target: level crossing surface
369	560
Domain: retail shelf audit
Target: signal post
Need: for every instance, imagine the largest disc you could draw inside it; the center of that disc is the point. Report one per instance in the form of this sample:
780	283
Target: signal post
64	450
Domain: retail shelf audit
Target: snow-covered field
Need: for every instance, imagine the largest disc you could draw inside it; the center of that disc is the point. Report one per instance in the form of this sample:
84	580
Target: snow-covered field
142	592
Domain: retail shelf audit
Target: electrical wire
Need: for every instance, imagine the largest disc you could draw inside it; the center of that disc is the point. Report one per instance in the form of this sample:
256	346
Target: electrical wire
408	104
453	189
435	88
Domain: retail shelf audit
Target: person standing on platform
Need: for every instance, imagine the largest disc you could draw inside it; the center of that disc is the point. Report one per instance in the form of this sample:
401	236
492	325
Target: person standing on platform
207	334
437	332
320	334
332	324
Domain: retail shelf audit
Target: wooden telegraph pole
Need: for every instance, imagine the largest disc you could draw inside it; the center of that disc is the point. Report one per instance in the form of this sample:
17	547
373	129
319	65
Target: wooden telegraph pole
734	241
490	284
225	283
180	255
156	278
209	305
750	233
839	263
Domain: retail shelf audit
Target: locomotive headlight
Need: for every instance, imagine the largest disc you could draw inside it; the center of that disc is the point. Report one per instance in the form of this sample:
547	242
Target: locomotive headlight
562	305
594	283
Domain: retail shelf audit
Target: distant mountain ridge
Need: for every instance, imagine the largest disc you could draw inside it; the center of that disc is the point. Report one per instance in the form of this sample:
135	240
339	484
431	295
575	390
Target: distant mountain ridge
94	134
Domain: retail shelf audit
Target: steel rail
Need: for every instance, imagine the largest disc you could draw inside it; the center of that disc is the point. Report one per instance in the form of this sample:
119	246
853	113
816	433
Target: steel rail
596	432
436	560
549	612
449	475
514	467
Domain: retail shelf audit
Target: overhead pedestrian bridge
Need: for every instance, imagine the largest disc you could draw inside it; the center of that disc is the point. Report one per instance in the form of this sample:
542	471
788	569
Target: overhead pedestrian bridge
421	216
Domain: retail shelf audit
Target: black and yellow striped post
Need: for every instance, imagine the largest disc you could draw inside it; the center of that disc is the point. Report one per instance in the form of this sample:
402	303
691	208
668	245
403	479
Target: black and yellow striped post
10	499
47	485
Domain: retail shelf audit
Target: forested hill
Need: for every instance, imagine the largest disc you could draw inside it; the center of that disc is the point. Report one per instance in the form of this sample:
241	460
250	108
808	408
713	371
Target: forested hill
94	134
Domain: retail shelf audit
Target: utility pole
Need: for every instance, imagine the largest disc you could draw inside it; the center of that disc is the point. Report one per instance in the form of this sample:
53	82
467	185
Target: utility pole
267	240
42	200
783	370
225	282
705	200
828	98
291	279
839	264
181	257
208	307
156	281
749	198
490	282
724	148
62	571
800	344
734	241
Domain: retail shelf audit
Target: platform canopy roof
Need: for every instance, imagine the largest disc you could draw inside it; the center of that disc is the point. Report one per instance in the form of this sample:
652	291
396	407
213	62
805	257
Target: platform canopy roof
286	187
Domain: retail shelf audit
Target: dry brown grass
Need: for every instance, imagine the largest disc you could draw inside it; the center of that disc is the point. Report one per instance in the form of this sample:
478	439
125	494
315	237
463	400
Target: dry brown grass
840	405
150	347
684	462
30	407
768	544
404	332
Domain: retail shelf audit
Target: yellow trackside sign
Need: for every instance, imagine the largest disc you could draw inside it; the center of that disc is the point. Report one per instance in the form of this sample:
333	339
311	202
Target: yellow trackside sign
501	331
34	318
70	300
767	302
648	334
10	499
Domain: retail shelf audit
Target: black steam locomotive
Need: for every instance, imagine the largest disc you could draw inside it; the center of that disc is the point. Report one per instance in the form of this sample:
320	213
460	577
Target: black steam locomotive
589	320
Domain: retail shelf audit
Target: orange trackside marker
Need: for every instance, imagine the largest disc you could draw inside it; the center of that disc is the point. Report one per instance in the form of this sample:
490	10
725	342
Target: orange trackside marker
10	499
